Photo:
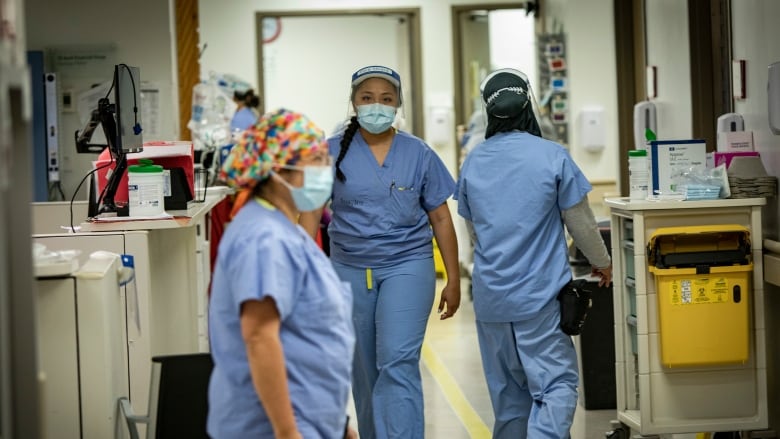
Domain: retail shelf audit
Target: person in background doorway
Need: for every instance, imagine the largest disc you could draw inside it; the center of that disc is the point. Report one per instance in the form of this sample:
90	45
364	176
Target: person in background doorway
246	113
516	191
279	317
389	201
475	132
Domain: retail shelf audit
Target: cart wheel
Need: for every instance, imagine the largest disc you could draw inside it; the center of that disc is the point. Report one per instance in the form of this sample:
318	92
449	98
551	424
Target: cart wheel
618	433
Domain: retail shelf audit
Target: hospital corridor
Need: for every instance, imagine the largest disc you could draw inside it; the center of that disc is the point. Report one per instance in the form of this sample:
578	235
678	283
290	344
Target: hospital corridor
224	220
457	404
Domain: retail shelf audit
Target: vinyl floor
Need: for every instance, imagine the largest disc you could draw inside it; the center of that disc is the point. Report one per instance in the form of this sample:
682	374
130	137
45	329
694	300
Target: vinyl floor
457	405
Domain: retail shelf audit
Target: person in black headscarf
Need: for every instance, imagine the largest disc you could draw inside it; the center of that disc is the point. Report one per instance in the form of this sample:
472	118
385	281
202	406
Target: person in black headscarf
509	105
513	191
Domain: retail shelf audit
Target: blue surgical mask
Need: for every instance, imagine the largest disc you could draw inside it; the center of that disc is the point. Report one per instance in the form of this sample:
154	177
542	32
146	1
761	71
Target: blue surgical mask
316	189
375	118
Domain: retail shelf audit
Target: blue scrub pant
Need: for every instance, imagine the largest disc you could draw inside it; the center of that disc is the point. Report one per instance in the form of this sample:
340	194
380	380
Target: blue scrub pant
390	312
531	372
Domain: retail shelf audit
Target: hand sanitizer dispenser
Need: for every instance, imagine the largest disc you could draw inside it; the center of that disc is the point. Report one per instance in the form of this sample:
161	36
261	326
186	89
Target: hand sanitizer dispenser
644	119
773	92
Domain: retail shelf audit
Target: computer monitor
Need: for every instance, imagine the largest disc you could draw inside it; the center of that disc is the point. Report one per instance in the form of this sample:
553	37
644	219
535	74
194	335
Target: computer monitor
127	97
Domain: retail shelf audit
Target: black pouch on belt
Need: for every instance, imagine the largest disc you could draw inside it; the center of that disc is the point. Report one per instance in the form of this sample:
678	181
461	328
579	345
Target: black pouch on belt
575	303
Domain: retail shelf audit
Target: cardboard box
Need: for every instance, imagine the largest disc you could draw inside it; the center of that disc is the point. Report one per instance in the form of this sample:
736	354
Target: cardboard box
168	154
669	157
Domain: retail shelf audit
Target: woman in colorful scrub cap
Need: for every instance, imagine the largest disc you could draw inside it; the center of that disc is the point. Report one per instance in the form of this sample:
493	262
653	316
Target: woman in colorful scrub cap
279	317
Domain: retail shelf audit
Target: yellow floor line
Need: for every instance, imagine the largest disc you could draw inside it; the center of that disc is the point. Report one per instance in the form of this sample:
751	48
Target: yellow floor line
455	397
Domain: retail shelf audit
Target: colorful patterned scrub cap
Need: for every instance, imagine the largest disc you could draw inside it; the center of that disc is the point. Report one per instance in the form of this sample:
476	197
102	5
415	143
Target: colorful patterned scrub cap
279	138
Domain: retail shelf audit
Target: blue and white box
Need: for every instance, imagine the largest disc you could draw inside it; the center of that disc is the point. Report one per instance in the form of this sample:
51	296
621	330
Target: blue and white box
670	157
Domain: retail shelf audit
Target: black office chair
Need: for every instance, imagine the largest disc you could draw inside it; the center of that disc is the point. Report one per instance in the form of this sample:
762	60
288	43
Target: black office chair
178	398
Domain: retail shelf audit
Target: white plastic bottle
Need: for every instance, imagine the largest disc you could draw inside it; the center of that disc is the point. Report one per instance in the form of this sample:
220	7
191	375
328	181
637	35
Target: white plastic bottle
638	174
145	189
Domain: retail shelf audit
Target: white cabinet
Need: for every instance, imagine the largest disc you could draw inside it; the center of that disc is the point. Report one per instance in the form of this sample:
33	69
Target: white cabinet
652	398
82	350
172	277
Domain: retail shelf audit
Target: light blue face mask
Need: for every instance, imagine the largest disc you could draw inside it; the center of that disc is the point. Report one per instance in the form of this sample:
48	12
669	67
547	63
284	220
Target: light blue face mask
375	118
316	189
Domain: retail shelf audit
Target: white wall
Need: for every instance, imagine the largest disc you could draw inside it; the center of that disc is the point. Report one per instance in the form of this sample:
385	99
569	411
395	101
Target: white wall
756	39
668	50
143	37
142	34
590	56
229	32
313	75
513	43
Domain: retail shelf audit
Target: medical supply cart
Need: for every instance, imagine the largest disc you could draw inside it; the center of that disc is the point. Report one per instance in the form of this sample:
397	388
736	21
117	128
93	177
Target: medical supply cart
689	316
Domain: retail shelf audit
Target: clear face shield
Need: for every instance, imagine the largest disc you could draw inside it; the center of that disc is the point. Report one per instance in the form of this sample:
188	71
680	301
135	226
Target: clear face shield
529	92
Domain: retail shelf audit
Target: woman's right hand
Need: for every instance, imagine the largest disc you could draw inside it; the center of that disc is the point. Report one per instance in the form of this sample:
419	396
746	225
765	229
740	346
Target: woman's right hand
604	274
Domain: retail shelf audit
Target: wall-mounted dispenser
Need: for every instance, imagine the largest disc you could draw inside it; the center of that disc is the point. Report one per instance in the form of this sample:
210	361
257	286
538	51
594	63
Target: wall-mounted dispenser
773	92
593	133
732	136
644	119
731	122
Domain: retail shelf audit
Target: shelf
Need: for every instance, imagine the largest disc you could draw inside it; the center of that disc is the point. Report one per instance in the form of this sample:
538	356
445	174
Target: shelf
628	204
630	418
180	218
652	398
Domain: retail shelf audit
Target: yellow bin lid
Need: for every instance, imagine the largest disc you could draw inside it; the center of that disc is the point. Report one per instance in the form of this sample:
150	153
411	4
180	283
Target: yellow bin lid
688	238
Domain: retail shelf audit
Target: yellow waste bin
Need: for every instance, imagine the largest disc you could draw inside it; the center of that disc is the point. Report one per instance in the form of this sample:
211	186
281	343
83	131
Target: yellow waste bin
703	284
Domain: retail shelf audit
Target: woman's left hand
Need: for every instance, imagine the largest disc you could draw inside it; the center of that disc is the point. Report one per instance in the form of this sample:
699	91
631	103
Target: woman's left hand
351	433
450	297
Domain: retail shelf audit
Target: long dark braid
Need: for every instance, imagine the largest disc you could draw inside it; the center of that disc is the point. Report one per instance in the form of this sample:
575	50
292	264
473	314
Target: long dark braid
349	133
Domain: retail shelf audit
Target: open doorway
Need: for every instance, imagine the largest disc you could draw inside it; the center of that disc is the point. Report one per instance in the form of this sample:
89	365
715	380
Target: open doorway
487	37
306	59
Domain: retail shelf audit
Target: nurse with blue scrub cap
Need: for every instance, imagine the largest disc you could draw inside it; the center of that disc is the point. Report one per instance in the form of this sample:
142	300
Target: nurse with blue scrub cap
247	103
513	191
280	322
389	202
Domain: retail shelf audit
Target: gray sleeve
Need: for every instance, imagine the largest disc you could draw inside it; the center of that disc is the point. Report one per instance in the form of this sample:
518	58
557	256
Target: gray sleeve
582	227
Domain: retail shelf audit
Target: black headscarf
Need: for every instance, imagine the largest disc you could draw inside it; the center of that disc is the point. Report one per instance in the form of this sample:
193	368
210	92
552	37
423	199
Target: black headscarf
508	105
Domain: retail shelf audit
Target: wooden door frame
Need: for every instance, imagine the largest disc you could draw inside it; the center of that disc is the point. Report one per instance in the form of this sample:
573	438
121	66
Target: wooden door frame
709	30
630	52
187	60
457	58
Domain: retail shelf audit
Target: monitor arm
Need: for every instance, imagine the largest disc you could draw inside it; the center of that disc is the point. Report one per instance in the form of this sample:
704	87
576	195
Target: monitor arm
104	115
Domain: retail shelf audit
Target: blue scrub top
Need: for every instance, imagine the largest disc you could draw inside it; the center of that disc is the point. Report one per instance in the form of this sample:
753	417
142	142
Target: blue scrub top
243	119
263	255
513	189
380	212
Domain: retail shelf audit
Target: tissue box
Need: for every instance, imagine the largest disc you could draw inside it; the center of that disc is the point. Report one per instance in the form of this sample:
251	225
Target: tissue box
170	155
668	157
726	157
735	141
